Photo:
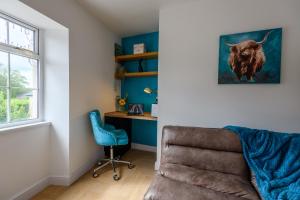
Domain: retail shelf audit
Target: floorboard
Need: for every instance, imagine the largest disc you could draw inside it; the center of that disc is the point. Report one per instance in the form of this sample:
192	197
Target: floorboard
132	186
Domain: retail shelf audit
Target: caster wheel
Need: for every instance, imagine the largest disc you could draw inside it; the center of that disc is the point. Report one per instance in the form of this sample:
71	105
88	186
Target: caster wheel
131	166
95	175
116	177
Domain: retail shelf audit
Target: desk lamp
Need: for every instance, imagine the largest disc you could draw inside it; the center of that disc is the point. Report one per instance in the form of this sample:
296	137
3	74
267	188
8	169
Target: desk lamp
154	107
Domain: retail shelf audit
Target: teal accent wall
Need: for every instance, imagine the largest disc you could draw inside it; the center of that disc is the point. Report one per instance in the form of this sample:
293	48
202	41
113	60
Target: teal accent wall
143	132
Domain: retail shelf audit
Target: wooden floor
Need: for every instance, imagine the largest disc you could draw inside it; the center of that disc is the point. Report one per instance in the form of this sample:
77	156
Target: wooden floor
132	186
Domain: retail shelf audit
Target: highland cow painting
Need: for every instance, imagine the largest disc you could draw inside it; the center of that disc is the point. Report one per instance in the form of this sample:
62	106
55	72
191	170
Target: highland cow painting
252	57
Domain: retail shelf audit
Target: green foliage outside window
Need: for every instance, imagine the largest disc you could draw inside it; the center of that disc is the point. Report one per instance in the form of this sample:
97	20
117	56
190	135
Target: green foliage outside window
19	103
2	107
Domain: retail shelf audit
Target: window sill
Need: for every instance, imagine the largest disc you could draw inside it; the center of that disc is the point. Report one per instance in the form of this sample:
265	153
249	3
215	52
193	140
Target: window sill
25	126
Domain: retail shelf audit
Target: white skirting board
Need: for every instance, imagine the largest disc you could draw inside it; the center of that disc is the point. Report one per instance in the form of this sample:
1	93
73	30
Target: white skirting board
52	180
143	147
32	190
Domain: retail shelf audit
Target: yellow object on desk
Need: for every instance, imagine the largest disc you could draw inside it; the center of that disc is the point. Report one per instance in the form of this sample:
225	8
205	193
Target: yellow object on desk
146	116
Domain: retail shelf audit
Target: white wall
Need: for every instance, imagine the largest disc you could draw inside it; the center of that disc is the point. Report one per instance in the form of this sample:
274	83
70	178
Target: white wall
27	154
23	159
78	76
188	69
55	52
91	75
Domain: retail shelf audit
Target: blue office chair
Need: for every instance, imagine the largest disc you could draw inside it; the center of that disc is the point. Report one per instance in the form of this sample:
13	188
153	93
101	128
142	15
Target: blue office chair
107	135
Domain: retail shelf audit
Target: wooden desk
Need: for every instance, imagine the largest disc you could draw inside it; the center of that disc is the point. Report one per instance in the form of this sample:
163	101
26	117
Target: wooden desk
123	121
146	116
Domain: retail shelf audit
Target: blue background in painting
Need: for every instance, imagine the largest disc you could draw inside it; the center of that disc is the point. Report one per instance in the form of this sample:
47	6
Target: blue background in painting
143	132
270	72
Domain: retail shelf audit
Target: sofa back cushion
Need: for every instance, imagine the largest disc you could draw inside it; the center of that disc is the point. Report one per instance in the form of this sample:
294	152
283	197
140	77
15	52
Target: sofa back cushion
204	148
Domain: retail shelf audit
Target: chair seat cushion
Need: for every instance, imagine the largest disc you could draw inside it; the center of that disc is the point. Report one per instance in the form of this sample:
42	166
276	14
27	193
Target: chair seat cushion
121	136
163	188
229	184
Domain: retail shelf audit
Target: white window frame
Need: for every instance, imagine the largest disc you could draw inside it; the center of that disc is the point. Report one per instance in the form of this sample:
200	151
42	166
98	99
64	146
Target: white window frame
35	54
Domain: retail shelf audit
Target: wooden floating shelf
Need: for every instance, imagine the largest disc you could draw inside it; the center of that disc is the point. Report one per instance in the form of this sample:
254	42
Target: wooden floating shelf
148	55
140	74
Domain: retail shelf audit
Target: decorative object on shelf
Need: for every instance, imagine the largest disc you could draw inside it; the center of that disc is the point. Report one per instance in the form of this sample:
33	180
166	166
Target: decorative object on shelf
139	48
251	57
154	109
118	50
120	72
135	109
140	68
121	103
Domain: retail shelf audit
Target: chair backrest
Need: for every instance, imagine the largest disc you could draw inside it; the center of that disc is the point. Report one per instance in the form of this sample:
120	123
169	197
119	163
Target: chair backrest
95	117
97	124
102	136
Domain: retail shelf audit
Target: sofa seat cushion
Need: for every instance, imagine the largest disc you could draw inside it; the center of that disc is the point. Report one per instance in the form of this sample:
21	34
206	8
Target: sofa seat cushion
163	188
233	185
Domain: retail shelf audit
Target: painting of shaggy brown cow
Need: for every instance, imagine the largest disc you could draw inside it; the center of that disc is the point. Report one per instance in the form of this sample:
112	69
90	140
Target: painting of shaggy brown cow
252	57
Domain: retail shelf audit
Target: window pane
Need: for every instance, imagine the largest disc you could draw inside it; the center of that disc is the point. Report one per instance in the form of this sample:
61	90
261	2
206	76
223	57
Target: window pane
3	31
23	104
21	37
3	105
23	72
3	69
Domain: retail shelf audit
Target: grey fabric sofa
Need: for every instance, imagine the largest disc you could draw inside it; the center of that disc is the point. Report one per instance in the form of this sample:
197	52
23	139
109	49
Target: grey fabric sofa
201	164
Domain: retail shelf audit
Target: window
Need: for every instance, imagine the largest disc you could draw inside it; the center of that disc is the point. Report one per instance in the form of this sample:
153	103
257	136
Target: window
19	72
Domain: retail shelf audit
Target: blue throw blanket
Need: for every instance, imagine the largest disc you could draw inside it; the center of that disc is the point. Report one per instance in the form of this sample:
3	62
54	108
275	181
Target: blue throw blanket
275	160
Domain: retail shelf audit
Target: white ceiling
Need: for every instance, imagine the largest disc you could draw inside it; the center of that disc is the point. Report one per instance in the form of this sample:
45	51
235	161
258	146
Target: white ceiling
128	17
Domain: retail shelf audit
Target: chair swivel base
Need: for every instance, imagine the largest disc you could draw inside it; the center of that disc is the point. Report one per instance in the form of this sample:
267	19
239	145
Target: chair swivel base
113	161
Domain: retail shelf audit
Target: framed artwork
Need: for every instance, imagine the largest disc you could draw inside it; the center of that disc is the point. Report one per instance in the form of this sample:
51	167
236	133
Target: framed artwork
250	57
